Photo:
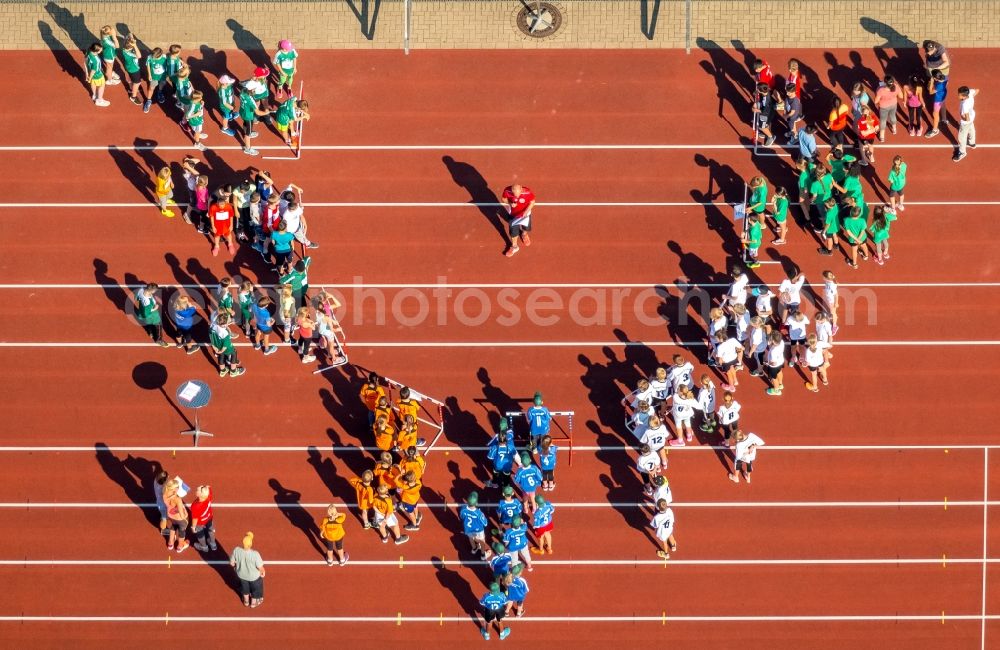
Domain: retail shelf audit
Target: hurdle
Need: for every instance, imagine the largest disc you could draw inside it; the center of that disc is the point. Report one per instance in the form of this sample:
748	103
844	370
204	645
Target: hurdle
433	415
567	431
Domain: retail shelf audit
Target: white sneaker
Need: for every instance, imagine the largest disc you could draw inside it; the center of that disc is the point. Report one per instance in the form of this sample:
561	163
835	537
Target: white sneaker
102	102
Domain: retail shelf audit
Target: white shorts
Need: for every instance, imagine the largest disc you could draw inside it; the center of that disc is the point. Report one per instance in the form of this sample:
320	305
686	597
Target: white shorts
517	556
663	534
478	537
389	521
681	421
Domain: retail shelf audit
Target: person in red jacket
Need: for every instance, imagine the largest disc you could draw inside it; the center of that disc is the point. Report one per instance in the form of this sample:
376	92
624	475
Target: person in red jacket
518	201
202	523
220	224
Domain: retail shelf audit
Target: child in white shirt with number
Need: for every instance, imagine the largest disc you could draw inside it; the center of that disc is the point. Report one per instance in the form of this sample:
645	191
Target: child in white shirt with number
706	397
727	354
737	294
655	438
682	410
717	323
681	373
729	415
756	345
797	323
815	357
831	294
663	524
660	384
661	490
649	467
824	332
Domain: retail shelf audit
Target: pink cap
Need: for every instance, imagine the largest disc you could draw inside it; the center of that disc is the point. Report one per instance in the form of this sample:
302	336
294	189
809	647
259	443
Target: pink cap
226	80
285	44
261	72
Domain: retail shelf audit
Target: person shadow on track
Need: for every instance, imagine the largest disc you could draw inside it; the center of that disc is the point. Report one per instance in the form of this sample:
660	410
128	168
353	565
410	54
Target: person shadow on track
63	57
134	476
288	501
327	471
459	587
468	177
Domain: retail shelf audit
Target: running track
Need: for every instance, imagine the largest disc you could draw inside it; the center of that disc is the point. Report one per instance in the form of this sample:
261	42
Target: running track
872	520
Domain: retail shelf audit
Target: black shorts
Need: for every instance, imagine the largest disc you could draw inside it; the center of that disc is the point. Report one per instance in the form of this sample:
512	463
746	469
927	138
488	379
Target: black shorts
727	365
742	464
339	544
896	193
764	120
792	307
772	371
179	526
796	341
548	475
815	368
135	77
732	427
281	259
491	615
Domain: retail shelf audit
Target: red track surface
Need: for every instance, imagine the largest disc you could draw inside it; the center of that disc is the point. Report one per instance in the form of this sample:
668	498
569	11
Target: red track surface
879	394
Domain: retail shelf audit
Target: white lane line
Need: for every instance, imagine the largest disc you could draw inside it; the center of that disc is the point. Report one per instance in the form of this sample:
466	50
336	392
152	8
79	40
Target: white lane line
336	449
469	204
597	505
503	344
516	285
986	488
552	563
399	618
446	147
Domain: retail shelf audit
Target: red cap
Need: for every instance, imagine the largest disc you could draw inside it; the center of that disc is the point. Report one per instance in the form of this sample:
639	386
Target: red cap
260	72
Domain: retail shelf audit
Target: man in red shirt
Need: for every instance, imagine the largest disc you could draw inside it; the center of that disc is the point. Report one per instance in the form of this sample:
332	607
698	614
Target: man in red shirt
202	525
220	219
518	201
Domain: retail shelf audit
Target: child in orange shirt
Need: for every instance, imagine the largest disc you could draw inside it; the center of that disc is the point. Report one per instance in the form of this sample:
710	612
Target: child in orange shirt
409	497
385	516
406	405
370	394
385	435
413	462
365	495
407	436
331	531
385	471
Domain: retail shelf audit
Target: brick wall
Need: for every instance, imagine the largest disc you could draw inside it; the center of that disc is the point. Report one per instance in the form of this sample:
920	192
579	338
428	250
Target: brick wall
491	23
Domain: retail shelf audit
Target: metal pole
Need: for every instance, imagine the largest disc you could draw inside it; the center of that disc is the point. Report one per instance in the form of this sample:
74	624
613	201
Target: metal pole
406	27
687	26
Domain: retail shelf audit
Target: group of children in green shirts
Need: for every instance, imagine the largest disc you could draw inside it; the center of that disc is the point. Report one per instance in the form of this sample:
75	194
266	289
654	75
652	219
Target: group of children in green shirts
838	197
254	101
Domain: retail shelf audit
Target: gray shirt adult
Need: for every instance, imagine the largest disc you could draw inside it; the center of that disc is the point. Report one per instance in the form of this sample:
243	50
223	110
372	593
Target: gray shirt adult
248	563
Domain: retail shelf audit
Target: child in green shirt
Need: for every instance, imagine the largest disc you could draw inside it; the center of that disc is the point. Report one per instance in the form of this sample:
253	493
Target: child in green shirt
109	49
897	182
195	118
286	63
780	215
130	60
880	232
95	75
156	77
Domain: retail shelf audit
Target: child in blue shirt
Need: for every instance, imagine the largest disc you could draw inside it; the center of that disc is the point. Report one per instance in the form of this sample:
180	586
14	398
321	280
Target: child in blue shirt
494	609
528	478
501	562
509	507
474	524
184	320
539	420
546	453
501	451
516	540
542	524
517	591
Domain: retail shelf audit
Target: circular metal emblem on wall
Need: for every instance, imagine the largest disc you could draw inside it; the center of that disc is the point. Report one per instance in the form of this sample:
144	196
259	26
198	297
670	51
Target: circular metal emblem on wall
539	19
